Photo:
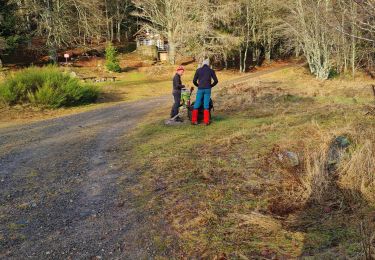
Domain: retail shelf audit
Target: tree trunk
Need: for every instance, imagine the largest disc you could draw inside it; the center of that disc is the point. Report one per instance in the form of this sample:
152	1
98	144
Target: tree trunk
225	58
172	53
118	22
245	58
172	46
112	31
244	65
107	20
240	60
354	55
268	48
298	50
354	43
268	56
1	63
119	31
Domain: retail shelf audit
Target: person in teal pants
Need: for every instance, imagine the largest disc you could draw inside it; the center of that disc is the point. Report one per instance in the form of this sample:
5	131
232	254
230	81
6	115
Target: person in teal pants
205	79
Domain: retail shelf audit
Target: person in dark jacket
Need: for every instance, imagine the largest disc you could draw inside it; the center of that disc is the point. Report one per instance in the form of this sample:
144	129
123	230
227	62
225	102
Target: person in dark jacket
205	79
177	87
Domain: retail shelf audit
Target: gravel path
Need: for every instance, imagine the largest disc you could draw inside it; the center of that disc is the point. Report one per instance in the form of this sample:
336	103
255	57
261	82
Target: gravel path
58	186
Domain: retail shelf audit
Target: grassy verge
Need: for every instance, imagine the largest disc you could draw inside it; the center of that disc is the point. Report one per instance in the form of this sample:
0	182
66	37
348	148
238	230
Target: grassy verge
225	193
150	82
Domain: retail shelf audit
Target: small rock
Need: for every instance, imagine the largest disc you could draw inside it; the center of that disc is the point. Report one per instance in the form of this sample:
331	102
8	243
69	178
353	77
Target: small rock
290	158
293	158
336	152
170	122
73	74
342	142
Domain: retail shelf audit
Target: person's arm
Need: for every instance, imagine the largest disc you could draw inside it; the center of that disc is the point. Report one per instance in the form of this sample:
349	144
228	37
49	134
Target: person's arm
195	80
214	77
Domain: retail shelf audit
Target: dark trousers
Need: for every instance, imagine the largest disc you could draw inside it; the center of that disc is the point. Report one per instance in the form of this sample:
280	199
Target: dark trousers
176	105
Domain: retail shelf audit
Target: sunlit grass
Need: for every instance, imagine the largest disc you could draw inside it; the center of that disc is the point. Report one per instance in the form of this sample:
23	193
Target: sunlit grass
221	185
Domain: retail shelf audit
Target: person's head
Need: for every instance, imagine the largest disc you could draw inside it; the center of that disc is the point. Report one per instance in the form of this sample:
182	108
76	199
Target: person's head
206	62
180	70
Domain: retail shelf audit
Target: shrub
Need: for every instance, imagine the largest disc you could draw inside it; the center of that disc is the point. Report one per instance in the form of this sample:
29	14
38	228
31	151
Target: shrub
357	173
48	87
112	62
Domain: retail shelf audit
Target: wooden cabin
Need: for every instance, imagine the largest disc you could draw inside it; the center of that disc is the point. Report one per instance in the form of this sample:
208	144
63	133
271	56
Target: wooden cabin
152	44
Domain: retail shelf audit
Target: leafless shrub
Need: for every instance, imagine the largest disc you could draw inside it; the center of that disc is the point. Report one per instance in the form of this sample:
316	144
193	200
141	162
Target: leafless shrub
357	173
315	181
367	239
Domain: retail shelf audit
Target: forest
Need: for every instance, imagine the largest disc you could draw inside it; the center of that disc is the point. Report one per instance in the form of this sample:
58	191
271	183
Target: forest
334	36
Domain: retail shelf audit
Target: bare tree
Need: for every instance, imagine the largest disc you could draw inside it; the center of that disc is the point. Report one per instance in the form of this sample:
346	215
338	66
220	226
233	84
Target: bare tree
332	34
166	16
122	11
309	25
212	35
63	22
357	28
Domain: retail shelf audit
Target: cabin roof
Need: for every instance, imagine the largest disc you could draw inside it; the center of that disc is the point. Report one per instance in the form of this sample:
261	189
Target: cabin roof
146	31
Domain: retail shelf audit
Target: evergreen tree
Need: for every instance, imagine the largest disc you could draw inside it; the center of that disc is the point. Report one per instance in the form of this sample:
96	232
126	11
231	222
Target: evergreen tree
111	55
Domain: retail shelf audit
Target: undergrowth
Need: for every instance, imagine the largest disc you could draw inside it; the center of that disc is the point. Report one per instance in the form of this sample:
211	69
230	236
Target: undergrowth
47	87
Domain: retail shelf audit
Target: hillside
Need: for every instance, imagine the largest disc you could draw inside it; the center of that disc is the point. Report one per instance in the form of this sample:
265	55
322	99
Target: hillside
268	179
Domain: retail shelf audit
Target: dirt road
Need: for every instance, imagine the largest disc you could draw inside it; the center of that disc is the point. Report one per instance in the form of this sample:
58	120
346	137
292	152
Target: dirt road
58	192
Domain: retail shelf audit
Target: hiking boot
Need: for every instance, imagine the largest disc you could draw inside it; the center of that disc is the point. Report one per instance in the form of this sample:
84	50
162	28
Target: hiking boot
194	117
206	117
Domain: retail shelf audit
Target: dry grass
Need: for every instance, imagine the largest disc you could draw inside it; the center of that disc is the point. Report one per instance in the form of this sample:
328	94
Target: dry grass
357	173
224	191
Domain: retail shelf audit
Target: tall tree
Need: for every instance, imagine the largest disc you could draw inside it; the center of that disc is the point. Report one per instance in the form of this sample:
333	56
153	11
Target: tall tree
309	23
62	23
168	17
8	27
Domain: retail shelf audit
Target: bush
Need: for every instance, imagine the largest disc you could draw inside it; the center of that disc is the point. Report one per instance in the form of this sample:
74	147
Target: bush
47	87
112	62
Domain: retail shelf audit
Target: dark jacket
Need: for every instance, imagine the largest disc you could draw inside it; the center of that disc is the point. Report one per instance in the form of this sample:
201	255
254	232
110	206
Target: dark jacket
177	84
204	76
